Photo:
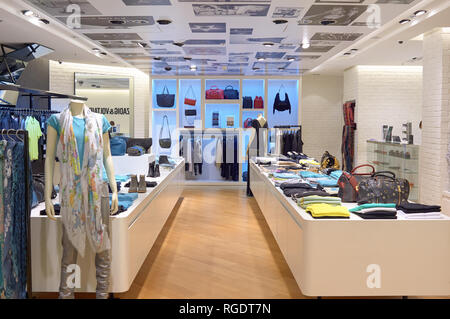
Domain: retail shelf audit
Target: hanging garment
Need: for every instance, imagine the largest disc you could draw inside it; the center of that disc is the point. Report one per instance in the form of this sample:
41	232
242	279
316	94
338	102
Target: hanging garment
257	147
2	216
219	151
80	185
33	128
348	137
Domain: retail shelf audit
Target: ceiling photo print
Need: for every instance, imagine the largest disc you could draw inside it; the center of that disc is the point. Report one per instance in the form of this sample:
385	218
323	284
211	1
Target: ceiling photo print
220	36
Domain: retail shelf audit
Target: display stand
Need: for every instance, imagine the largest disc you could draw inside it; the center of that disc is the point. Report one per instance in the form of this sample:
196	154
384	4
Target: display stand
356	257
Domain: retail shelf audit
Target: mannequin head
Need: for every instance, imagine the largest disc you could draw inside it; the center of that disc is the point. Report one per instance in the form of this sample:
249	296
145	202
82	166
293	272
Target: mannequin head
76	107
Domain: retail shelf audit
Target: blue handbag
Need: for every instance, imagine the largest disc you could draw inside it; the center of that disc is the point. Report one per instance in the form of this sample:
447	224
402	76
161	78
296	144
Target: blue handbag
118	146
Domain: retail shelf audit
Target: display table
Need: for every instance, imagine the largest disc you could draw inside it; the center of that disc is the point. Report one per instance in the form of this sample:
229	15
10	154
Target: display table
356	257
133	233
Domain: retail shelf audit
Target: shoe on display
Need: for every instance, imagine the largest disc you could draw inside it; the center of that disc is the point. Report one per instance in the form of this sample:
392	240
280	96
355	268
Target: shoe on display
151	169
133	184
142	187
157	174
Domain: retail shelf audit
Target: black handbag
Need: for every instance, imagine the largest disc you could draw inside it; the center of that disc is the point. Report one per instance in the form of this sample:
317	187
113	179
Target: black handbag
230	93
165	142
215	119
280	105
191	112
383	187
165	99
247	102
38	187
146	143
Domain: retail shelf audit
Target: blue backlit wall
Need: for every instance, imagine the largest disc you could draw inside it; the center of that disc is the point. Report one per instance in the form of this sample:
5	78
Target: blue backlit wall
283	118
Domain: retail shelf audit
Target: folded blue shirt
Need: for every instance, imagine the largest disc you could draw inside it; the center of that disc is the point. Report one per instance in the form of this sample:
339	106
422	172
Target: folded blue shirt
285	175
336	174
125	199
307	174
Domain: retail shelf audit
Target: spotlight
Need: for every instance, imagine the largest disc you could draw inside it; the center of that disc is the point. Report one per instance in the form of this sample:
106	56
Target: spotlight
305	45
268	44
142	44
255	68
44	21
347	53
178	44
96	50
404	21
193	68
157	58
354	50
167	68
327	22
187	58
280	21
281	68
164	21
104	53
28	13
420	13
260	59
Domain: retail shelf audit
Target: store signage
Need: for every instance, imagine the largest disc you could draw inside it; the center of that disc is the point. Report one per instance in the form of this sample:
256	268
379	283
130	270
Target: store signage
111	110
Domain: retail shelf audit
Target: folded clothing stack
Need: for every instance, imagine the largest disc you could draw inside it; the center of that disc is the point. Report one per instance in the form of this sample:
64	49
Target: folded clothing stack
419	211
125	201
324	181
375	211
284	175
296	193
304	202
309	174
328	211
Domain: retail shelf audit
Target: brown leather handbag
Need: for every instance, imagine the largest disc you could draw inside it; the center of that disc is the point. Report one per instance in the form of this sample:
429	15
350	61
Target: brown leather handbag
348	183
383	187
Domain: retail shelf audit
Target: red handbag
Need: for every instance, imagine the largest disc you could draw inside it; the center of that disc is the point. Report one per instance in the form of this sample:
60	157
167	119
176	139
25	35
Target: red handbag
248	122
190	101
214	93
258	103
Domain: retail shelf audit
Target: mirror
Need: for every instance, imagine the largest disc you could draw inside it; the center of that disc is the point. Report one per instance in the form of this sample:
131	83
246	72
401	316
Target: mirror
111	96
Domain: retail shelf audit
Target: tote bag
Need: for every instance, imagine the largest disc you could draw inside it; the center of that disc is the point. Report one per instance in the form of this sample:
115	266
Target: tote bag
281	105
165	142
165	99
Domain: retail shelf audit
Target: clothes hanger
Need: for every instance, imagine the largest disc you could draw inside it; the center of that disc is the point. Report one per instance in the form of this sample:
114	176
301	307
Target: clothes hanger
18	136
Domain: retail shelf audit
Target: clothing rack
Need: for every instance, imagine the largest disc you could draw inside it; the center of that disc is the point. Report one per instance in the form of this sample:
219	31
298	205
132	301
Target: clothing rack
287	126
24	135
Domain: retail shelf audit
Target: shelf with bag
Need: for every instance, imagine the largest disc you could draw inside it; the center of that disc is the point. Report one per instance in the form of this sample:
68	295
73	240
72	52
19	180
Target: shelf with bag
222	115
253	94
164	125
164	93
190	103
283	98
220	91
400	159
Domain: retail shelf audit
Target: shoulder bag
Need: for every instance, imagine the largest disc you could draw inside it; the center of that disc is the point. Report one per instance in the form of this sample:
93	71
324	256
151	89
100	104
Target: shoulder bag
165	99
165	142
248	123
190	101
258	103
230	93
348	183
383	187
280	105
118	146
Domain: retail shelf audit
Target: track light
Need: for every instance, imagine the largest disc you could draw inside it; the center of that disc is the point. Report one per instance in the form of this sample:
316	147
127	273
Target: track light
305	45
164	21
268	44
280	21
260	59
178	44
142	44
28	13
419	13
291	59
404	21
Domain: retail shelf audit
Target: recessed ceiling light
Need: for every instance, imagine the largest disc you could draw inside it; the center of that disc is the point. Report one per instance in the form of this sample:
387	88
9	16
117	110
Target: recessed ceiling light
187	58
354	50
44	21
419	13
404	21
178	44
327	22
164	21
261	59
306	45
28	13
96	50
104	53
281	68
280	21
142	44
255	68
291	59
268	44
157	58
347	53
118	22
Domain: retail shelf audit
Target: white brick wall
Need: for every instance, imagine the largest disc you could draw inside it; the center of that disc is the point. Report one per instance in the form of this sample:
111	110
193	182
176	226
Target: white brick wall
433	172
321	114
62	79
384	95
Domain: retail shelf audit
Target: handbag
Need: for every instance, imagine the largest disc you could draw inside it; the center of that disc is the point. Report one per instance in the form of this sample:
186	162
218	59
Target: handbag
214	93
329	161
383	187
118	146
38	187
165	142
280	105
215	119
348	183
247	102
192	112
165	99
190	101
248	123
230	93
259	103
135	151
146	143
230	120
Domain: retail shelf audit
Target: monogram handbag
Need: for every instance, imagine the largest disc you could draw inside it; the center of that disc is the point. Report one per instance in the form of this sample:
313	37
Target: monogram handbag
281	105
383	187
165	99
165	142
230	93
258	103
190	100
247	102
348	183
214	93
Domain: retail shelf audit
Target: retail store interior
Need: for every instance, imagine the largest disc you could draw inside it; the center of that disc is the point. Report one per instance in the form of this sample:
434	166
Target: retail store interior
273	149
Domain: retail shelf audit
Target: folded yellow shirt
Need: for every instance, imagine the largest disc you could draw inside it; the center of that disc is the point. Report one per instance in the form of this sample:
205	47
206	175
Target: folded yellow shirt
326	210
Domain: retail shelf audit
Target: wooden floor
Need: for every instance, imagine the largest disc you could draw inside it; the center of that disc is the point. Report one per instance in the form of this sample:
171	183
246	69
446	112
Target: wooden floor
216	244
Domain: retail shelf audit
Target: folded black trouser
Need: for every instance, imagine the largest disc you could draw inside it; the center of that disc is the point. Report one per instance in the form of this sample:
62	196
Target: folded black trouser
302	192
413	208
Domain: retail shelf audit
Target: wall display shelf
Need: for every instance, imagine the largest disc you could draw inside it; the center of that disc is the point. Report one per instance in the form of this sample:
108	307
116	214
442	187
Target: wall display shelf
167	87
401	159
225	109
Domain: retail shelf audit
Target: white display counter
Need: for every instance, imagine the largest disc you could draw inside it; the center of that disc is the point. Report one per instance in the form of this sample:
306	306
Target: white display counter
132	232
356	257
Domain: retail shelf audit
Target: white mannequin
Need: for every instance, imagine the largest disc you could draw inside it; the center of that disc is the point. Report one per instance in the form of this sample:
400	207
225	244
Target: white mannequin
76	108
